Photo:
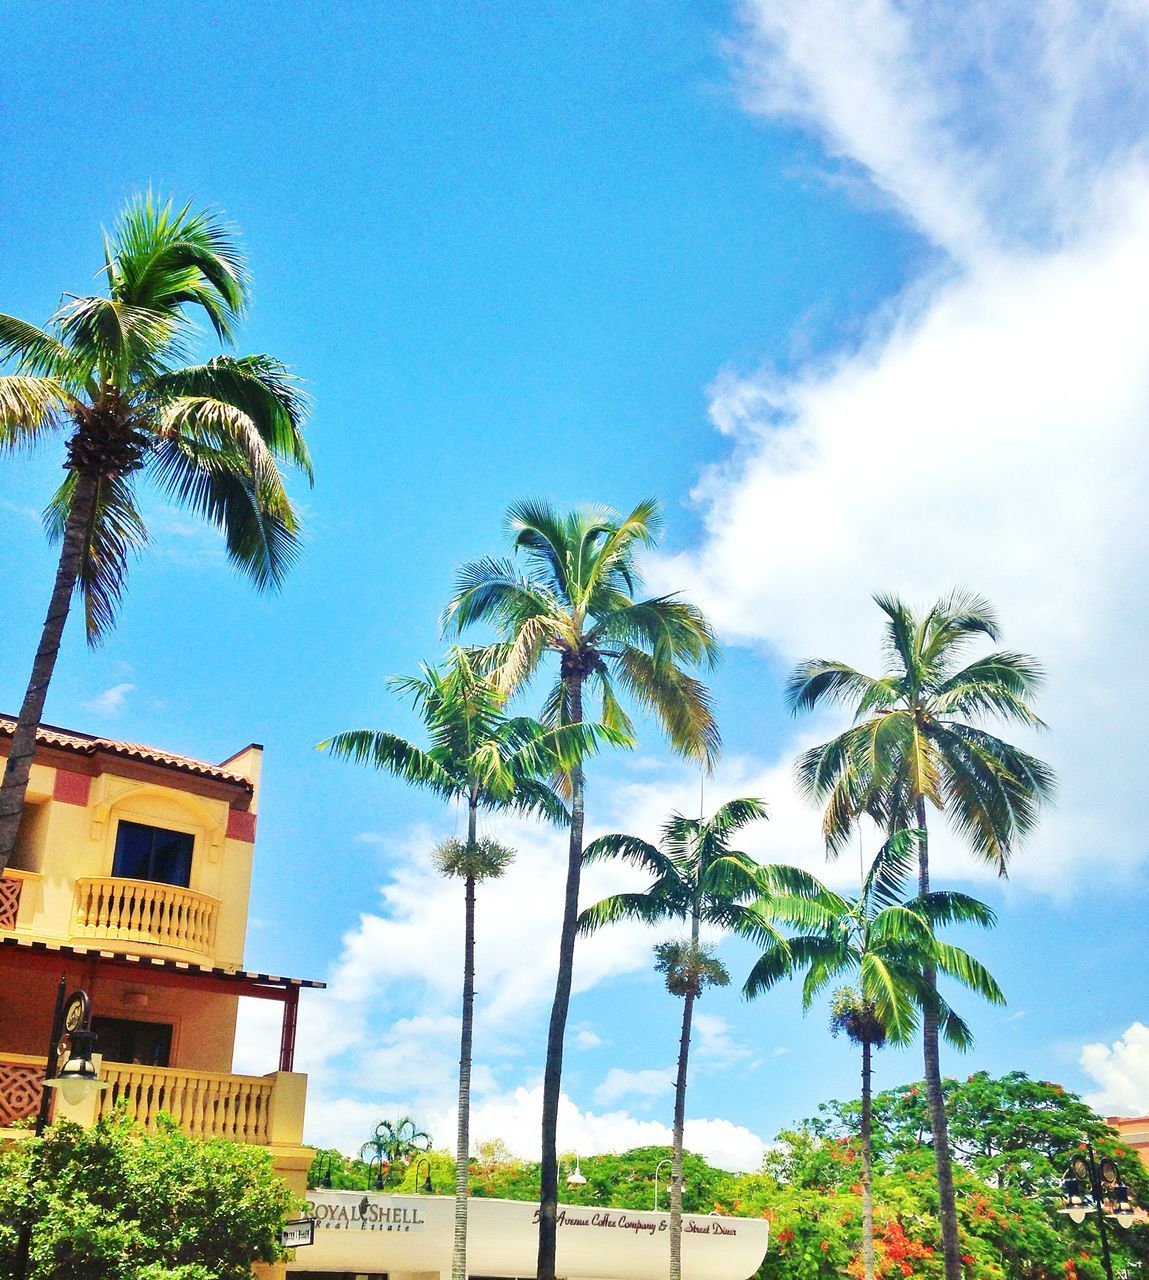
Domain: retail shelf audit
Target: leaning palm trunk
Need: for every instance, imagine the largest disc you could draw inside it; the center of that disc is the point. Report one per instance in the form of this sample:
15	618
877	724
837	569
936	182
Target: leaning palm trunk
463	1140
679	1128
23	748
552	1073
939	1128
867	1164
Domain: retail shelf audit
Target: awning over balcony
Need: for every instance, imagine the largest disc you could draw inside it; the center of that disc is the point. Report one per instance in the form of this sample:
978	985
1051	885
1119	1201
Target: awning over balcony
173	973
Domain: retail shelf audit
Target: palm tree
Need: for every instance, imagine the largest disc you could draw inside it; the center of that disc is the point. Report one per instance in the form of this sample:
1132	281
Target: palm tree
699	880
890	946
577	602
914	744
393	1143
110	373
490	760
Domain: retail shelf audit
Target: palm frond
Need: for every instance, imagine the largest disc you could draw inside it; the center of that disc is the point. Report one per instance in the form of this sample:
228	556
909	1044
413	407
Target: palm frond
389	752
260	527
30	408
115	531
681	704
262	389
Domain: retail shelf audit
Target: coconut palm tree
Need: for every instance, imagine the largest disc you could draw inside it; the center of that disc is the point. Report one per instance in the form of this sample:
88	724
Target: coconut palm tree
110	374
699	880
917	743
577	602
392	1144
489	760
890	946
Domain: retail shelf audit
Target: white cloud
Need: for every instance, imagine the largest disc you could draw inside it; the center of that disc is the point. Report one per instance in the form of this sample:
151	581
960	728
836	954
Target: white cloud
652	1082
112	701
988	432
587	1038
1122	1072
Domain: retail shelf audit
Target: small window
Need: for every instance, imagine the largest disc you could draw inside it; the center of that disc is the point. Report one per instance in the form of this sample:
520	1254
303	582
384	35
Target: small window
121	1040
151	853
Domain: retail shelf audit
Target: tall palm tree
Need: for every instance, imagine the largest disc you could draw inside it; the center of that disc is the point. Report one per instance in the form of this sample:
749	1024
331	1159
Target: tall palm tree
892	950
110	373
916	743
481	756
577	602
698	879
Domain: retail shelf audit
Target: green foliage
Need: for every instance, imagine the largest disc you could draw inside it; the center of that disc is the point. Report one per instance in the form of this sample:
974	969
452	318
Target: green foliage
689	967
116	1203
485	859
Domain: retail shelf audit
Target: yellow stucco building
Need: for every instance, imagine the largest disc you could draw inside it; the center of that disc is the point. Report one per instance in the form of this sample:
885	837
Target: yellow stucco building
131	878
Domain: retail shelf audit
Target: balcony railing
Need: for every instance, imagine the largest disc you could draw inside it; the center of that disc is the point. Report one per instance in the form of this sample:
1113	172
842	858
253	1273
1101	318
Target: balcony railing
21	1083
205	1104
10	887
145	912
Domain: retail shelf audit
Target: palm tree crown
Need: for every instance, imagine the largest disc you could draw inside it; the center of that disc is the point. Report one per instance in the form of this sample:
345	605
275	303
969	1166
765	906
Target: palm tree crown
697	877
110	373
912	742
888	944
477	752
577	601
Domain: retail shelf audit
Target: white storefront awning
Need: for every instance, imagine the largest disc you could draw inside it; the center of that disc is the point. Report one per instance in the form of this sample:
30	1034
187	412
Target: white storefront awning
377	1234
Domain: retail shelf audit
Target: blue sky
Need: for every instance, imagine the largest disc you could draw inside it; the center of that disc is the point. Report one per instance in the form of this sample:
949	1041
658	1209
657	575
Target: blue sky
854	288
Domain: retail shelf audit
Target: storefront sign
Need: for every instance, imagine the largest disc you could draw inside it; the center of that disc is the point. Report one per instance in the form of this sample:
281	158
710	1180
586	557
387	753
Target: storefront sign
621	1220
297	1233
365	1214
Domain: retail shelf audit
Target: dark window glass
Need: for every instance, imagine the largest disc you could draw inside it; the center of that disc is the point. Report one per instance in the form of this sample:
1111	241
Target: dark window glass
151	853
121	1040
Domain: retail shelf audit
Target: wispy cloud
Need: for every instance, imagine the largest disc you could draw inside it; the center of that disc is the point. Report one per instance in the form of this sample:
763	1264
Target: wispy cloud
112	701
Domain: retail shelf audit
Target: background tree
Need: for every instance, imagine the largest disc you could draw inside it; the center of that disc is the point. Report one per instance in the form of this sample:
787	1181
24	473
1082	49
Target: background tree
480	756
577	602
893	950
393	1143
914	743
116	1203
110	375
698	879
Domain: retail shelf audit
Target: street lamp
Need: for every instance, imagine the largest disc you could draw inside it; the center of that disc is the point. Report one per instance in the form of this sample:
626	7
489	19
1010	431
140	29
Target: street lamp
377	1163
664	1160
575	1178
70	1056
425	1186
1095	1186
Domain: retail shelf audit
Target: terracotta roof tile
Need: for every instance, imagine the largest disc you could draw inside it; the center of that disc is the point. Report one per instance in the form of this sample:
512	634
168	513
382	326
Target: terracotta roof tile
87	745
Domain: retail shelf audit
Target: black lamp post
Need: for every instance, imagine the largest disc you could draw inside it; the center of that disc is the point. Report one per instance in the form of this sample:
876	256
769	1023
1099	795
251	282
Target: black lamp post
425	1186
1095	1186
378	1164
69	1057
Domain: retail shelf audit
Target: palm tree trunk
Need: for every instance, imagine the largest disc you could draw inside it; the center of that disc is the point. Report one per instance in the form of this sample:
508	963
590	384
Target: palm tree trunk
939	1127
552	1074
676	1152
867	1164
23	747
463	1137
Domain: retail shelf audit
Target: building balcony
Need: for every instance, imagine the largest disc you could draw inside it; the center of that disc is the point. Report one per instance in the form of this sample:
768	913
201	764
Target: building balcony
11	891
264	1111
145	914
